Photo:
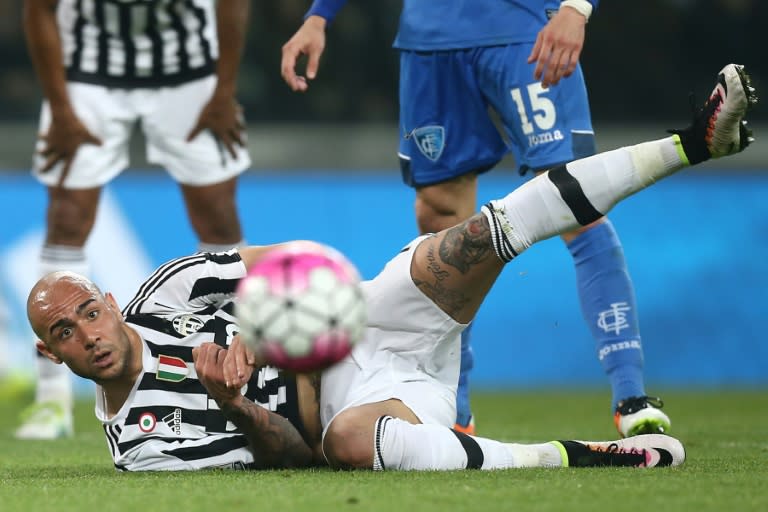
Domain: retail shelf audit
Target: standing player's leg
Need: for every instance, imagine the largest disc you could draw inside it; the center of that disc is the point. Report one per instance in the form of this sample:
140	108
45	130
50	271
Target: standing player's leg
447	139
549	127
70	217
205	170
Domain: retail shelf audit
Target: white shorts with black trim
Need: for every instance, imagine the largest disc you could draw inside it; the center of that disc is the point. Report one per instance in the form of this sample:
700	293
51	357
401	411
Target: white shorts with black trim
166	114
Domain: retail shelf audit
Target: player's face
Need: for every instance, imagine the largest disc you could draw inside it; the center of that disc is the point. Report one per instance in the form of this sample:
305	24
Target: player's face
83	329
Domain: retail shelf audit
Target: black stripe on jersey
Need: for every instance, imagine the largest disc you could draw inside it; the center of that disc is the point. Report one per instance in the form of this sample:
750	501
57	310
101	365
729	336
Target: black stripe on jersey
192	416
160	276
184	353
181	33
78	36
218	447
159	325
223	258
129	445
102	57
573	195
111	439
204	44
127	38
157	43
228	308
212	286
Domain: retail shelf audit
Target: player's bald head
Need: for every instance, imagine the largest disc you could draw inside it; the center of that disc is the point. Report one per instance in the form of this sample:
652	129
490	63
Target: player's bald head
51	289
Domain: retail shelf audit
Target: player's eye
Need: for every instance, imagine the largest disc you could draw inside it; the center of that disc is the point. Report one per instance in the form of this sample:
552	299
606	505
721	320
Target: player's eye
65	333
94	313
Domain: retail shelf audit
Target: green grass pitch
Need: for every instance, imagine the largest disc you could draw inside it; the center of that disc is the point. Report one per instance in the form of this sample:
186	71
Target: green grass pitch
725	434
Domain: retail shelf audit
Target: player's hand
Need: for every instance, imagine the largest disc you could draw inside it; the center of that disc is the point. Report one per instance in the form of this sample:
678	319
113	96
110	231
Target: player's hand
239	364
309	40
558	46
223	116
209	365
65	135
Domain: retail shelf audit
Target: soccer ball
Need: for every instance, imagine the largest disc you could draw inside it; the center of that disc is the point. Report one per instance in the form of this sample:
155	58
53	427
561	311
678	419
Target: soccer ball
301	307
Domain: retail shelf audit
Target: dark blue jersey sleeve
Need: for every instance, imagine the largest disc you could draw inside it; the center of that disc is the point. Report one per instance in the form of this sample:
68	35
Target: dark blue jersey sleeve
326	9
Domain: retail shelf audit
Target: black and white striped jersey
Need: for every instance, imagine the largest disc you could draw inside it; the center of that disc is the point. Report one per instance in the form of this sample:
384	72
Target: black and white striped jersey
168	421
138	43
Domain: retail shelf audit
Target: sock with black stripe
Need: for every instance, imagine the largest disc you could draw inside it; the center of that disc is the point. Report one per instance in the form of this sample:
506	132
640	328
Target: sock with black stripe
400	445
578	193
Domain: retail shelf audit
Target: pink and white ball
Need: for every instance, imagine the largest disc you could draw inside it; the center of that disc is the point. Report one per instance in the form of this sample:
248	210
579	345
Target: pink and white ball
301	307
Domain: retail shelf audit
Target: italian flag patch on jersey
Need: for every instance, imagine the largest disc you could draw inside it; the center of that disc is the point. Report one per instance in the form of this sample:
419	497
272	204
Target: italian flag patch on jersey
172	369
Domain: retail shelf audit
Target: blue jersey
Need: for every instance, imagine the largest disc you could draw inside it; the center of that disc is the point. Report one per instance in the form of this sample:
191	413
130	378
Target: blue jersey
458	24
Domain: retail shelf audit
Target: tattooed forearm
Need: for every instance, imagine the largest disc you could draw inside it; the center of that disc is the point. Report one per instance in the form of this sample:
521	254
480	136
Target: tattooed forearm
275	442
467	244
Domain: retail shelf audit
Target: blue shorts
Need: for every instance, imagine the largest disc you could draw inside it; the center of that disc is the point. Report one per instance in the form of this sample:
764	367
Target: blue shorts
447	128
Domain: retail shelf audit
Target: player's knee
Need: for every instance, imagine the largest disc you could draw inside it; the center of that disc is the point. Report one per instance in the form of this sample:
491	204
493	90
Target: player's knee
348	443
444	205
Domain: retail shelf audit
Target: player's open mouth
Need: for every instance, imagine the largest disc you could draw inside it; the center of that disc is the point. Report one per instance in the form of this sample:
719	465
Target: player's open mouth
103	360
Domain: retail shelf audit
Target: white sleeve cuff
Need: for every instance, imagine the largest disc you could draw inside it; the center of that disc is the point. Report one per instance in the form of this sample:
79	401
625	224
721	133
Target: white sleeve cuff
582	6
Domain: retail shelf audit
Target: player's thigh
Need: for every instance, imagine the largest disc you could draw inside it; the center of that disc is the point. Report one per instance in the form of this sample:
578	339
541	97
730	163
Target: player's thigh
410	352
546	127
107	114
445	128
168	116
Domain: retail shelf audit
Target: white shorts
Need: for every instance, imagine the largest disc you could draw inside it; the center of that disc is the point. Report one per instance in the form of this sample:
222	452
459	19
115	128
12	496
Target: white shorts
411	352
167	115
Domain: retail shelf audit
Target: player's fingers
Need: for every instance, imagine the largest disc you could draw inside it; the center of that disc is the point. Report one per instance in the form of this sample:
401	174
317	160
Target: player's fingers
534	56
313	64
543	59
236	134
228	144
552	73
65	171
288	64
195	131
221	356
92	139
51	159
231	368
572	62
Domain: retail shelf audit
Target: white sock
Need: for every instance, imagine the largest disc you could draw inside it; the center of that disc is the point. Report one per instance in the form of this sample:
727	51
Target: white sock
400	445
205	247
54	383
577	194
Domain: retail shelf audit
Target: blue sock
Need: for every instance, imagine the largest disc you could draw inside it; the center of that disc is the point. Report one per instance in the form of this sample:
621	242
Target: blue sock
463	411
609	308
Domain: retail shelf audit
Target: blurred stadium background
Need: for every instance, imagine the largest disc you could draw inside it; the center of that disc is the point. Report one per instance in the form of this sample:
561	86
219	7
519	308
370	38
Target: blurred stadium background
325	168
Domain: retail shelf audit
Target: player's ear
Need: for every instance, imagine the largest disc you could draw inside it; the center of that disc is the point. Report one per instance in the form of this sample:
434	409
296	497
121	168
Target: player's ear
110	299
43	349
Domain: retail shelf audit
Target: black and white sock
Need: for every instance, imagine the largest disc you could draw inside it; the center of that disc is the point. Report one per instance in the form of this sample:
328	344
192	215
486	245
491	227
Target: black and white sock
577	194
399	445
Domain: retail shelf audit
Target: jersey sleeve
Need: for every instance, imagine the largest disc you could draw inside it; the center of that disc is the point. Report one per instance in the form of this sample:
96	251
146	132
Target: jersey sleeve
326	9
190	283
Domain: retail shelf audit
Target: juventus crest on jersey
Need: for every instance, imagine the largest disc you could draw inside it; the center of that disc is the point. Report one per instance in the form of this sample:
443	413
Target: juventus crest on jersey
169	421
138	43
